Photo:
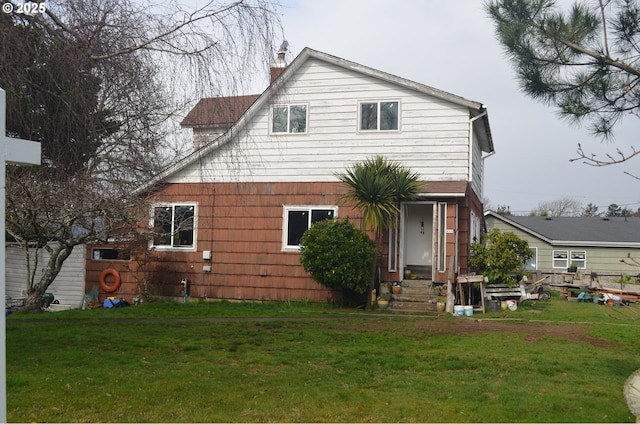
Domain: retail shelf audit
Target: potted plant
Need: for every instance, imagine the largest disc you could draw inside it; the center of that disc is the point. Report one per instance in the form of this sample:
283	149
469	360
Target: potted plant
573	268
440	305
396	288
383	300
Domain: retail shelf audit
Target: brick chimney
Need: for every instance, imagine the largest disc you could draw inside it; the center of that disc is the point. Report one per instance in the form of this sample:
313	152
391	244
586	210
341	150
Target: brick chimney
279	64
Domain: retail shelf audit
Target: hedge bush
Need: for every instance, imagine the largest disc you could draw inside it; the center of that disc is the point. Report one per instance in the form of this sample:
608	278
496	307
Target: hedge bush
338	255
500	256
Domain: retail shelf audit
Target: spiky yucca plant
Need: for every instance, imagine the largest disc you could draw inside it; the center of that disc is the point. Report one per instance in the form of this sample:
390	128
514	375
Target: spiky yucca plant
376	186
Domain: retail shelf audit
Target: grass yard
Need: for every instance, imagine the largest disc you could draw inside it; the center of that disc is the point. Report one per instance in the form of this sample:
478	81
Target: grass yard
300	362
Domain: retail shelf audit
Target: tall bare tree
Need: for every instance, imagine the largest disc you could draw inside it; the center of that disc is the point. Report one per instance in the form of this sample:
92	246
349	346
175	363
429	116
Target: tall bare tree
583	60
560	207
98	83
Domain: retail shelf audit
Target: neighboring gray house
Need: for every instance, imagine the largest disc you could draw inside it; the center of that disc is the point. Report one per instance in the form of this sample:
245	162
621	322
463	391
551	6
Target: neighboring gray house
593	244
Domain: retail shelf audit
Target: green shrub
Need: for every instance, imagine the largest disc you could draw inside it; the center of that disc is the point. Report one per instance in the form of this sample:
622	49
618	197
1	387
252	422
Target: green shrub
338	255
500	256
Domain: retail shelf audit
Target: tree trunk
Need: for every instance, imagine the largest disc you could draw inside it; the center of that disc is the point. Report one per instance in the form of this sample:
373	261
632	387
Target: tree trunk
58	253
372	284
34	299
374	267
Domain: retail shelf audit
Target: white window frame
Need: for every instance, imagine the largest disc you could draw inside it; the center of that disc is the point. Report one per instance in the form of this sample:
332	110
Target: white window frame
173	206
377	129
288	131
393	247
442	237
532	265
300	208
581	262
565	263
475	233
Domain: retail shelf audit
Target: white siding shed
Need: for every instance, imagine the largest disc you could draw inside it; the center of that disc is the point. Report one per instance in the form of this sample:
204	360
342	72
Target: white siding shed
68	287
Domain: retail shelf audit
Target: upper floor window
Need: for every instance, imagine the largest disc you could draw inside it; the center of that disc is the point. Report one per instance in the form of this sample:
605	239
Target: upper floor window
289	119
379	116
173	225
298	219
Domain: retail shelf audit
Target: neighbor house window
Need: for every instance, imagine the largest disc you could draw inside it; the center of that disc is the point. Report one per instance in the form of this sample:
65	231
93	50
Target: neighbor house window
173	225
532	264
379	116
579	259
298	219
289	119
560	259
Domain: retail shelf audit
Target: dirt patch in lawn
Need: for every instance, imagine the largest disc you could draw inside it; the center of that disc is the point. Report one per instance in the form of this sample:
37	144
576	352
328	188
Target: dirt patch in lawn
530	331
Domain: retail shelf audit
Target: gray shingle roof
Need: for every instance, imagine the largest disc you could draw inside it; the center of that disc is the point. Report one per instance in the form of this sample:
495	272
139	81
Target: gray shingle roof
612	230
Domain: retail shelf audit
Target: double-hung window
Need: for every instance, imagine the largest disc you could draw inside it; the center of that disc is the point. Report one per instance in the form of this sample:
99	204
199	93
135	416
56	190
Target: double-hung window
560	259
379	115
289	119
298	219
579	259
532	264
566	259
174	225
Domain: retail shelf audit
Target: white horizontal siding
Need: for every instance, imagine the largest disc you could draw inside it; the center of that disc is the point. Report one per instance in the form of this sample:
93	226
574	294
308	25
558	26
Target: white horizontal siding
433	140
67	288
477	167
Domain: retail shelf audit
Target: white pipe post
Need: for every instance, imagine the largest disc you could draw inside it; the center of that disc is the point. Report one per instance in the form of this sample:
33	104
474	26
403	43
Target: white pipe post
15	152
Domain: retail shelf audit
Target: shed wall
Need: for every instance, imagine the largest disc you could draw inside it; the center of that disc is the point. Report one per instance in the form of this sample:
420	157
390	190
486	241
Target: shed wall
67	288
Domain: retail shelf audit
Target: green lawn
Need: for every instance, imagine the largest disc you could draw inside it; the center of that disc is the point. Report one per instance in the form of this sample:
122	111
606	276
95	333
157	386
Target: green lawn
301	362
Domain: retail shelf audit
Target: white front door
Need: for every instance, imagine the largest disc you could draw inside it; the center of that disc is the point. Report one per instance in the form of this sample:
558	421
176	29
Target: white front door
418	234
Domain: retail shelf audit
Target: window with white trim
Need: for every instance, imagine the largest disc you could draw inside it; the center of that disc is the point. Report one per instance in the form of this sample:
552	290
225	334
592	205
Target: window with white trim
174	225
289	119
476	227
579	259
560	259
298	219
442	237
379	115
532	264
393	247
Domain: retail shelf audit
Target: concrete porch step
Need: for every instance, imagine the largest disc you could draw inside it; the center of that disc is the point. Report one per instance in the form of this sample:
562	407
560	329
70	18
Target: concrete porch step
415	296
416	283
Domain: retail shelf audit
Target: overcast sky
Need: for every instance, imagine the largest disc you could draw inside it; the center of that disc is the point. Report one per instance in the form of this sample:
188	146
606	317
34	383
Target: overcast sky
450	45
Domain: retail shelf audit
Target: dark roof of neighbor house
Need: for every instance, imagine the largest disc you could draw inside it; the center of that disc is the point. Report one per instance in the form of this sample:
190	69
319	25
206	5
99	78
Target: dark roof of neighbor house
222	111
611	231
